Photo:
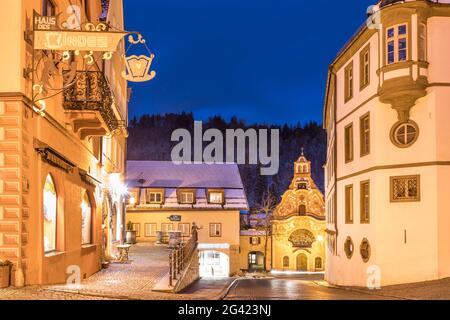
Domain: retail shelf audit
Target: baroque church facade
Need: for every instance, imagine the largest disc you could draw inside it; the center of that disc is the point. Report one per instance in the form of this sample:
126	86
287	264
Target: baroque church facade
298	224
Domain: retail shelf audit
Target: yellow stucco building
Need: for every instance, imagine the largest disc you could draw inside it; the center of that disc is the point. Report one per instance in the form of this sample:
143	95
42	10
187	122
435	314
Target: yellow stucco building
298	225
166	198
62	150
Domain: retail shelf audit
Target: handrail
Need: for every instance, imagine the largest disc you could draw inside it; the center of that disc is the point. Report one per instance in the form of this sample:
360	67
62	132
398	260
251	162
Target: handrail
180	257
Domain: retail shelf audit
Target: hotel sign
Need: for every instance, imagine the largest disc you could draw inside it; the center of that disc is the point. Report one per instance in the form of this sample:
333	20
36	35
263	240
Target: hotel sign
48	36
77	40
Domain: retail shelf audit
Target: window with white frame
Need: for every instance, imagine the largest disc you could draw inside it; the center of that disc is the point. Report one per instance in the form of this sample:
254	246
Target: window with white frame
397	44
216	197
186	197
166	227
150	230
184	228
154	197
215	230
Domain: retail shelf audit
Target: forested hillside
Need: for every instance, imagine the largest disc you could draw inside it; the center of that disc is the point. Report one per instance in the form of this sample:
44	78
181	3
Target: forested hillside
150	138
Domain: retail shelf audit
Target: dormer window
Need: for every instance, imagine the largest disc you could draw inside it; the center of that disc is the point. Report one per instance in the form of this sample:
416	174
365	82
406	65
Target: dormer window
186	196
155	196
397	44
216	197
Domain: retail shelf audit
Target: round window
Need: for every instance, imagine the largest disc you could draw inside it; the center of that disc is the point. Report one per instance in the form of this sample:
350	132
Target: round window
405	134
365	250
349	247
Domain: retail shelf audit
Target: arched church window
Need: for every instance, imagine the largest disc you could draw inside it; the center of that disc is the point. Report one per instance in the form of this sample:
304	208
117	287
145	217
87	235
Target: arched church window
286	262
318	263
49	212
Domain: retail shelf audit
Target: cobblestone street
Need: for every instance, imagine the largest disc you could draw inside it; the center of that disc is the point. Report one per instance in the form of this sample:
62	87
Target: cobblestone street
133	281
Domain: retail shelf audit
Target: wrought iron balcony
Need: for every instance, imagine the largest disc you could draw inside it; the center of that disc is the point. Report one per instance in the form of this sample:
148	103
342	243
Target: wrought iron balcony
90	91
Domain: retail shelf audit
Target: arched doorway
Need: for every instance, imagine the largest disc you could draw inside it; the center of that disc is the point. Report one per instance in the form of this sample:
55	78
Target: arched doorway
214	264
256	261
302	262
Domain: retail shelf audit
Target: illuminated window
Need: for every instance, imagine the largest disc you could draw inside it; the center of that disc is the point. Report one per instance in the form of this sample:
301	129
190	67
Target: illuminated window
216	197
49	207
397	44
133	197
86	220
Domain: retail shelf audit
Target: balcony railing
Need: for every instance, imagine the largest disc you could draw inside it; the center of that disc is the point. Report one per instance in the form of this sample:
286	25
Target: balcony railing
91	92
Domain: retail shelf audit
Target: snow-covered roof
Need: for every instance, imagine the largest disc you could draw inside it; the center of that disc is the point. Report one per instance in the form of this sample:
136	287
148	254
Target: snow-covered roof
201	177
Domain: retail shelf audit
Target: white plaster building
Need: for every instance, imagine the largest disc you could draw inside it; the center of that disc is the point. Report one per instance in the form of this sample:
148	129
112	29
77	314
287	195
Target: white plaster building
386	113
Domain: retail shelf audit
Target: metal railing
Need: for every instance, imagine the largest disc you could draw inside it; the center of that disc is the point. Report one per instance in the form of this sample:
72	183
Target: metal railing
90	91
179	258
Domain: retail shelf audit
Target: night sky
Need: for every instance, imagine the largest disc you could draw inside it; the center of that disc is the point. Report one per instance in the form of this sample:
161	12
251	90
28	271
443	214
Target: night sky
262	60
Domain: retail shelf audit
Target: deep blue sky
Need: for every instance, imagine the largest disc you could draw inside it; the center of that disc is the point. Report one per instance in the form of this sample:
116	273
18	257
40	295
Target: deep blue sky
261	60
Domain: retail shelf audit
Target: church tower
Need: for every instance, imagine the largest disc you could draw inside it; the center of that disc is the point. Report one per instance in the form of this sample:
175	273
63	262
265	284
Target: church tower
298	228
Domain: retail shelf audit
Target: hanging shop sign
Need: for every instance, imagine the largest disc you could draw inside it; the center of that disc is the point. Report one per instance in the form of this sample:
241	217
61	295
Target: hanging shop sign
138	67
91	38
57	42
77	40
175	218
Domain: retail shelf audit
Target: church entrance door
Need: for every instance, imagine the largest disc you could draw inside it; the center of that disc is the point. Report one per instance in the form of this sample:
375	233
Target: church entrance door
302	262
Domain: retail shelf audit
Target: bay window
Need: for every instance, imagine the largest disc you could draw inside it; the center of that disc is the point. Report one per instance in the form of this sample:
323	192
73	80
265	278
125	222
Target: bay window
397	44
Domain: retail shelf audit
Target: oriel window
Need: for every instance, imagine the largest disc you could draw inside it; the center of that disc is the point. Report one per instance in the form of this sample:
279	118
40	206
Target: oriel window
397	44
